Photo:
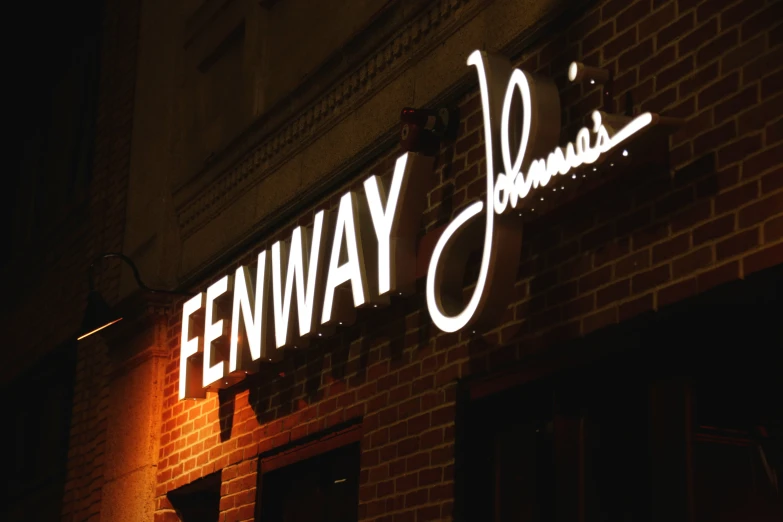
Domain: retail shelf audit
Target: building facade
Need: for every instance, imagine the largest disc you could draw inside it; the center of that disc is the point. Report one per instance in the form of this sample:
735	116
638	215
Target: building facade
631	369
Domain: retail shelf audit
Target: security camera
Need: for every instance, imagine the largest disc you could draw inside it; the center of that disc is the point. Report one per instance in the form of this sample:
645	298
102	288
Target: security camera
422	130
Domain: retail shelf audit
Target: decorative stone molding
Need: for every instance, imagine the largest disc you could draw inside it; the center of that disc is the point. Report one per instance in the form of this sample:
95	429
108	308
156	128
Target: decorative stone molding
218	185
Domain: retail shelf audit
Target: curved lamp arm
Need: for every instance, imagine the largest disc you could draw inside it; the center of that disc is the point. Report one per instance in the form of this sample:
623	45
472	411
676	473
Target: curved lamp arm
136	276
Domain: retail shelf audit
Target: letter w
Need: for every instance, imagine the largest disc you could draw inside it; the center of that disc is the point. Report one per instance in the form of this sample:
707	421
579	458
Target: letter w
304	265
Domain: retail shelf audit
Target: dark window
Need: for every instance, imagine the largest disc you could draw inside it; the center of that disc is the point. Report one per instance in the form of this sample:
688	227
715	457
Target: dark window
575	447
322	488
198	501
674	416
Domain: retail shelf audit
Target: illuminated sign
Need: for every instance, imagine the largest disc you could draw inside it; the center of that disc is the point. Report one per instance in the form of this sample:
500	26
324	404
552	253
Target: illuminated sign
535	124
367	251
356	258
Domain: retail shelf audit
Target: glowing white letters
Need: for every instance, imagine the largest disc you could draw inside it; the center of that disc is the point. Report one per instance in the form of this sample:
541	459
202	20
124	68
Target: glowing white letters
213	330
533	125
292	274
352	270
536	161
189	347
299	262
249	308
384	220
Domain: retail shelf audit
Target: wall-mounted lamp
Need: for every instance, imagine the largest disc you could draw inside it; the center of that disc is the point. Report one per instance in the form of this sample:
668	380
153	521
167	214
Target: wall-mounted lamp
579	72
98	314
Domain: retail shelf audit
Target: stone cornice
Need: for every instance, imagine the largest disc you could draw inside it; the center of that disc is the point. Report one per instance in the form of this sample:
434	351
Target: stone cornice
222	182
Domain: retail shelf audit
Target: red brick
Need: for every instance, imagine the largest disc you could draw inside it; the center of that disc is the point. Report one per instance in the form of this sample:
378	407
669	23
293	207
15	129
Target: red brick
595	279
697	37
737	244
613	292
772	181
718	182
599	320
611	251
596	39
774	132
762	161
718	276
674	73
776	36
763	66
427	513
673	31
430	476
597	237
762	259
579	306
715	138
700	79
763	113
744	54
736	197
661	101
611	8
736	104
634	55
633	14
691	262
651	278
671	248
717	47
677	292
407	446
773	229
562	293
739	150
398	431
759	22
658	20
634	221
466	143
761	210
695	125
674	202
632	263
650	235
443	415
618	44
636	306
684	109
719	90
624	81
696	213
398	467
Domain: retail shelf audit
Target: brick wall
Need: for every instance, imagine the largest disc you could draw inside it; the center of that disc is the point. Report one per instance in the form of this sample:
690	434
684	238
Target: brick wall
647	239
101	232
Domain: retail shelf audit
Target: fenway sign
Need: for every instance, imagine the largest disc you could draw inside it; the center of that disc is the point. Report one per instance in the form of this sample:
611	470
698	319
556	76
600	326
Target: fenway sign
365	252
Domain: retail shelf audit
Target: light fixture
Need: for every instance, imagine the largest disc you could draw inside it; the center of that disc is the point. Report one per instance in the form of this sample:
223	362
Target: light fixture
578	71
98	314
